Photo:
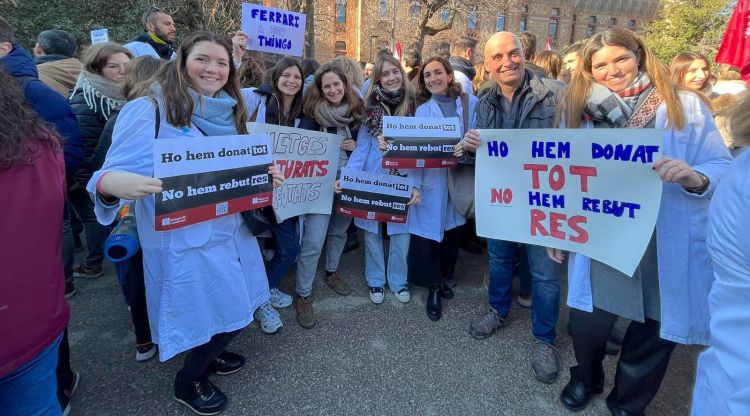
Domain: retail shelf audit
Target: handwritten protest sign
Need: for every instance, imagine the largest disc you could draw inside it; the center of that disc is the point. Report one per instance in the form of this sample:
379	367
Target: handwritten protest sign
308	160
373	196
420	142
273	30
211	177
99	36
591	191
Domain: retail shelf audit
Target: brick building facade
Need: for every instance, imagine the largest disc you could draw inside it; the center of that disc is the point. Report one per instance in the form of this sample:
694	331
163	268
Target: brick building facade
358	28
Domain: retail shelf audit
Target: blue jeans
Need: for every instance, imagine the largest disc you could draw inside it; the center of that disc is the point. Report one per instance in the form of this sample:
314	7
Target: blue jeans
286	239
545	292
375	272
31	390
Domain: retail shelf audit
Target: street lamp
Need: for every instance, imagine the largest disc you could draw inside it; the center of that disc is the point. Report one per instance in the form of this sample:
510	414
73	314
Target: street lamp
371	37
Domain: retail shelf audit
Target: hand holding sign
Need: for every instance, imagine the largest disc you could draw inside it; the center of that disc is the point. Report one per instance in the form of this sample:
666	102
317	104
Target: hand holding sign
278	178
239	45
382	144
348	145
126	185
416	196
471	140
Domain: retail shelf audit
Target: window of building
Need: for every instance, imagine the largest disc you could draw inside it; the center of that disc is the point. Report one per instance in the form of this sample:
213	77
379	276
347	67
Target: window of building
555	11
415	9
524	18
553	28
631	24
339	48
383	7
500	25
444	14
471	21
340	11
612	22
592	26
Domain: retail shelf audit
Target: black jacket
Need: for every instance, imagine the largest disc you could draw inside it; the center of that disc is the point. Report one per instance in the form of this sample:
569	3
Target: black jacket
90	122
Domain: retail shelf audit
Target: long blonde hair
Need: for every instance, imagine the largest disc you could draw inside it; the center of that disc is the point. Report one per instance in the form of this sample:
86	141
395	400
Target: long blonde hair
578	92
407	106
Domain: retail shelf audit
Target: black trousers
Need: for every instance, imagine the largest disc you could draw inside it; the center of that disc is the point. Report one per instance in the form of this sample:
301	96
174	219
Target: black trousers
644	358
137	298
431	263
198	359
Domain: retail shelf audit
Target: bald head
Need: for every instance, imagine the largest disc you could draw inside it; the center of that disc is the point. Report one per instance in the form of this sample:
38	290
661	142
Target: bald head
504	60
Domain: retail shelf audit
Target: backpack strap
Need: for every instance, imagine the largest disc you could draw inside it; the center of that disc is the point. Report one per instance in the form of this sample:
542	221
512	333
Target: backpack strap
158	117
465	105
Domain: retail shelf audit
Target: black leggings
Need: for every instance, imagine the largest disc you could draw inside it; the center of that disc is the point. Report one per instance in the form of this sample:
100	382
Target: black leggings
137	298
198	359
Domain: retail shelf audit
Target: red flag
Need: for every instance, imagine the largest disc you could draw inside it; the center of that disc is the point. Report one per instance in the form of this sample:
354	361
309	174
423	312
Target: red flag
397	52
548	43
735	48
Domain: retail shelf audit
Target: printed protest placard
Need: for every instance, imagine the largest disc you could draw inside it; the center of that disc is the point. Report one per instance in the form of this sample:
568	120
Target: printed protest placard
211	177
273	30
420	142
590	191
309	161
99	36
373	196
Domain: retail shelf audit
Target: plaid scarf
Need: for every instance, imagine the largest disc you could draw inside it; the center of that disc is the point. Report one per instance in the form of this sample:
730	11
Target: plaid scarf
380	102
615	109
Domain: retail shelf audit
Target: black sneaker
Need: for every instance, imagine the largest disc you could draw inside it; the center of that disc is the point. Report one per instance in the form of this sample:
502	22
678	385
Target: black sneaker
226	363
202	397
81	270
145	352
65	390
70	290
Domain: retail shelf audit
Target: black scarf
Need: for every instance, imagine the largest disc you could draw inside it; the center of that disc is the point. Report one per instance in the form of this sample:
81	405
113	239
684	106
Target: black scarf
380	102
164	51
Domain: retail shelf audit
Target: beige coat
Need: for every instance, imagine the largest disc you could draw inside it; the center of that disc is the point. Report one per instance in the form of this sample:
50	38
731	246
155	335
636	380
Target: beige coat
60	75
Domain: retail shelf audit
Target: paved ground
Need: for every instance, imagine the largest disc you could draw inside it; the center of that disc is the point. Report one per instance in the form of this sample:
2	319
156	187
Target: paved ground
361	359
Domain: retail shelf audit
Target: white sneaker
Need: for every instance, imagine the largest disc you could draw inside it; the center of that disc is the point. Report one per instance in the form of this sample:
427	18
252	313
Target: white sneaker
403	295
268	318
280	299
377	294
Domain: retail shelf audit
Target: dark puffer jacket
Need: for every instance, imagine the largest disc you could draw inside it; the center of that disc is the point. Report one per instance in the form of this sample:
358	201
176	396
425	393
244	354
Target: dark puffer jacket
51	106
90	122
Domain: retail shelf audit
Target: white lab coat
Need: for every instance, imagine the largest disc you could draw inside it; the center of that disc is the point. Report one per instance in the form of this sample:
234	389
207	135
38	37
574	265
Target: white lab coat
200	280
435	213
722	387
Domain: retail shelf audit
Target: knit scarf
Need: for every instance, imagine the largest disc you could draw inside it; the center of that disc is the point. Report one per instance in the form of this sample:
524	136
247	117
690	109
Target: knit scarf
381	101
214	116
337	117
99	92
616	109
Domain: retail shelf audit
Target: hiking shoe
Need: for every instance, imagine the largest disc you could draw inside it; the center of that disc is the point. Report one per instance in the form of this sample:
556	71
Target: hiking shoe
280	299
524	299
226	363
70	290
268	318
81	270
145	352
338	284
65	390
403	295
377	294
202	397
304	309
545	363
485	325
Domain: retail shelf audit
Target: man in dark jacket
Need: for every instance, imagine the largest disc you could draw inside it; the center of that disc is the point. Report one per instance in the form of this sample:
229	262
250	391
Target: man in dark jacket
462	61
158	35
55	110
520	100
54	55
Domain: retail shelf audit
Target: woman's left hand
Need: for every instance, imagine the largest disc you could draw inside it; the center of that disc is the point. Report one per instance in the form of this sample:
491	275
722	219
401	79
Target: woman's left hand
458	151
278	178
416	196
677	171
348	145
337	187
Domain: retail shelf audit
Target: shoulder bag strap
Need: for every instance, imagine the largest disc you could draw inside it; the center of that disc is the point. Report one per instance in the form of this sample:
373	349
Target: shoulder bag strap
158	117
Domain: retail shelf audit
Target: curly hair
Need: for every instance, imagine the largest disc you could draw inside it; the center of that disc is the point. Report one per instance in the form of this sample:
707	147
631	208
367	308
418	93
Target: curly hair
22	127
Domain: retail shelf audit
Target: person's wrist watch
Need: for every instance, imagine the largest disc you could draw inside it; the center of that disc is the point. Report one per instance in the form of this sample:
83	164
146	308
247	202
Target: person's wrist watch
700	188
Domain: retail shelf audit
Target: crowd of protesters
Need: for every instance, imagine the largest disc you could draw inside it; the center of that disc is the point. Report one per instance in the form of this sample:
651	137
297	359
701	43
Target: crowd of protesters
76	146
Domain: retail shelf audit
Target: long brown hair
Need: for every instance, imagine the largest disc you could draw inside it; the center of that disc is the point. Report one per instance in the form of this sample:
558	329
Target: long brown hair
408	106
137	71
680	65
175	82
315	97
578	92
550	62
96	56
454	88
22	127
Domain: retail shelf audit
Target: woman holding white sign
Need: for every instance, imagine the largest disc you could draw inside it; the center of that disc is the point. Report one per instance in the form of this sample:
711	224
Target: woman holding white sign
333	106
434	222
278	103
388	95
620	84
203	281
